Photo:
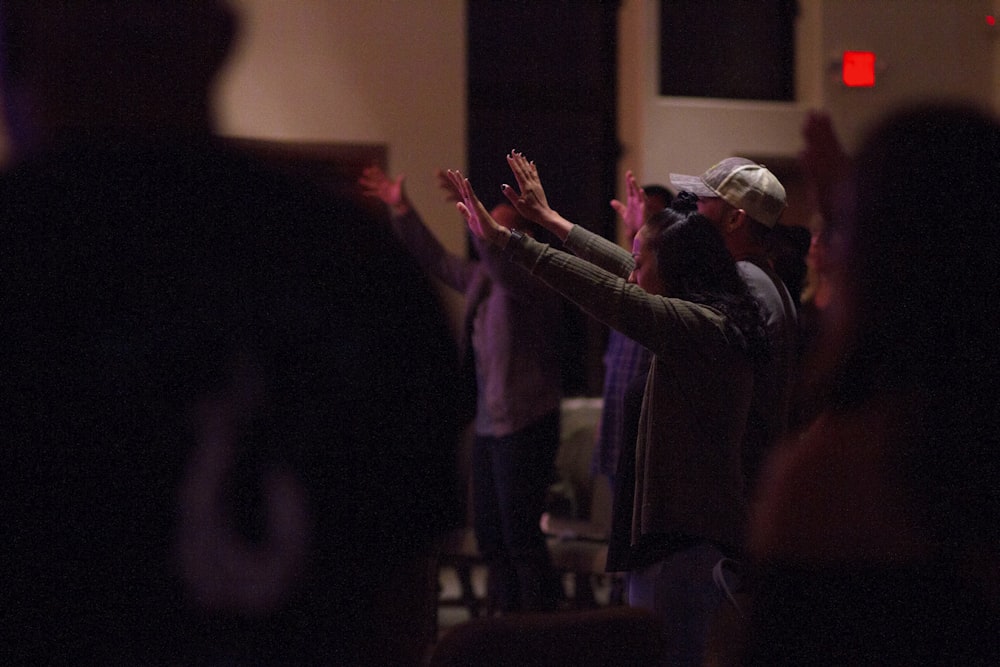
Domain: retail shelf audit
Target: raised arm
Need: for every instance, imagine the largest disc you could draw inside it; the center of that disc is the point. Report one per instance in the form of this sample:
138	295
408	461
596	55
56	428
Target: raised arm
664	325
480	222
824	161
451	269
375	183
587	245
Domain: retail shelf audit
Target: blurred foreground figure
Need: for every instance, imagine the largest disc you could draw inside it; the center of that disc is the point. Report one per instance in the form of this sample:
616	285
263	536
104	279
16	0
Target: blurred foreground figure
878	532
226	399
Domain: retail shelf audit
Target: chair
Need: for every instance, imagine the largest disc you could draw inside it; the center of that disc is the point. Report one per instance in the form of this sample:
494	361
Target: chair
459	550
578	542
460	553
582	638
577	537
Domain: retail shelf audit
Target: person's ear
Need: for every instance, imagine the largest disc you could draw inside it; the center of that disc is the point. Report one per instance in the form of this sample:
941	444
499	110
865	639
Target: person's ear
735	219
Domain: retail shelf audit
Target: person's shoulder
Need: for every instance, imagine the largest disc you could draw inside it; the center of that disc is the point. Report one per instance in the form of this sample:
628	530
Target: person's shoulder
757	279
770	292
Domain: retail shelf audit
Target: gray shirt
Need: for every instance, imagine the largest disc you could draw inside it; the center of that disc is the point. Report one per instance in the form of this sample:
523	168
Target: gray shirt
768	420
513	323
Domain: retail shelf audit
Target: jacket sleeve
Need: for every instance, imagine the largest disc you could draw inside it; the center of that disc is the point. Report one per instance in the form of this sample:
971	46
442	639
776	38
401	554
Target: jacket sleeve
451	269
596	249
666	326
516	281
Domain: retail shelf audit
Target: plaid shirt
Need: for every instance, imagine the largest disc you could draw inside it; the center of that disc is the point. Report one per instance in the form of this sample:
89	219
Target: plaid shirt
624	360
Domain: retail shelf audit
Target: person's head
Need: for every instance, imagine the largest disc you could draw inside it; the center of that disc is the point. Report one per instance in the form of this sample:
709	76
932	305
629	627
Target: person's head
87	66
658	197
683	255
679	254
645	271
914	275
689	253
743	199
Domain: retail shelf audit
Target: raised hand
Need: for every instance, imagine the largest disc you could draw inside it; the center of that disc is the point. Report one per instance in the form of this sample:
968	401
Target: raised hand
480	222
530	202
451	193
375	183
633	212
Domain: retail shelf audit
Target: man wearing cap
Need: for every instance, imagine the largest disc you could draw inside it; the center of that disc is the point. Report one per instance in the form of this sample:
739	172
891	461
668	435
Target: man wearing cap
745	200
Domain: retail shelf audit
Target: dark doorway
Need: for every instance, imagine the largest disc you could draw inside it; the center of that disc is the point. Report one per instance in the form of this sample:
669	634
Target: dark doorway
542	80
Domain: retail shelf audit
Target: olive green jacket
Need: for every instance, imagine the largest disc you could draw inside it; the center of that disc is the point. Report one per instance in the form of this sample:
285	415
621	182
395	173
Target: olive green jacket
689	480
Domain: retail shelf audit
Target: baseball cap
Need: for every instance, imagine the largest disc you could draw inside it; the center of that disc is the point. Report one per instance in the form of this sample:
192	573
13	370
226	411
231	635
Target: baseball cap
742	183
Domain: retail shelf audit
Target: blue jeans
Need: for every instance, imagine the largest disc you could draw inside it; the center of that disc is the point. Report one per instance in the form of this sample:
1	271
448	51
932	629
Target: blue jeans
510	478
681	590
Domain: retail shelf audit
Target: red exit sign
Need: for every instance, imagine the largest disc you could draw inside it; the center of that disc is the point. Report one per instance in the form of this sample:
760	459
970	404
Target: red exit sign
858	69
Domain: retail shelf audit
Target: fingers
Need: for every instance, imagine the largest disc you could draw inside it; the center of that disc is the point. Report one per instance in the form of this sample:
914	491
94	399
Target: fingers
370	179
373	174
460	184
523	170
451	193
619	207
822	157
374	183
636	193
632	187
819	134
511	194
468	200
465	204
515	161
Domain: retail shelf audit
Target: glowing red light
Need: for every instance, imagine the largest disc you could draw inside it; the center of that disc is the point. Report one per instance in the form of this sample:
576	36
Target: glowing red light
991	20
859	68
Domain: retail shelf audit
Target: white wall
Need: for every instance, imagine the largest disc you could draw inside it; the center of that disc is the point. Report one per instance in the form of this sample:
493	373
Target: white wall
925	49
390	72
687	135
393	72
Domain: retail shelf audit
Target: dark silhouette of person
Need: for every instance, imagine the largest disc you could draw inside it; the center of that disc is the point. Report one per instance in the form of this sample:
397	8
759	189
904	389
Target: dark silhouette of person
876	534
227	397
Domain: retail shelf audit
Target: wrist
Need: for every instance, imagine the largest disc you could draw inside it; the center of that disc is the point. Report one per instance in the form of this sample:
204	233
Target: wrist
513	238
557	224
400	208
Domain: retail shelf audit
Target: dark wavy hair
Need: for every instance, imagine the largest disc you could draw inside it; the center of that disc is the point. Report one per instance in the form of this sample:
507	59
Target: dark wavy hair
685	202
695	265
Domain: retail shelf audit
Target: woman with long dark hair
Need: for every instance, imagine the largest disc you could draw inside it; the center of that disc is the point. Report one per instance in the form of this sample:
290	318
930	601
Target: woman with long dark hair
679	294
